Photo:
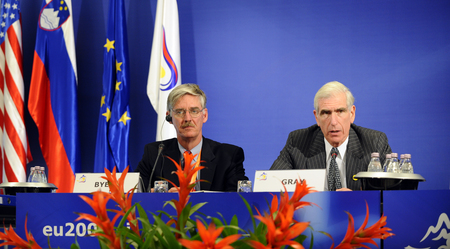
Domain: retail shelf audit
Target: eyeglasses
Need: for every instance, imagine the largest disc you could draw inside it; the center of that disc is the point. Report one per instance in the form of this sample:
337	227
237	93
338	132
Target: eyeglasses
181	113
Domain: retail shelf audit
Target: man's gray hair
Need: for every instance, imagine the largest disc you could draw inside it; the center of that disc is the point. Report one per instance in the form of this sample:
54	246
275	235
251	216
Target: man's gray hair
331	89
182	90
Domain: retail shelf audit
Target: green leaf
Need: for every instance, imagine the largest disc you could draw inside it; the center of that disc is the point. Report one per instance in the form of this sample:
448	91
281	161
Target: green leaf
249	211
196	207
74	245
168	239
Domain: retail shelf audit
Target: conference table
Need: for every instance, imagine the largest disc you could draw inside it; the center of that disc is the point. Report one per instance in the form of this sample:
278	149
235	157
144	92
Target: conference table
418	218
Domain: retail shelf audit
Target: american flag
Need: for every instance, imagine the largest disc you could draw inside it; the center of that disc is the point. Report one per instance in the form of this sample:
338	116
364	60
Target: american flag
15	150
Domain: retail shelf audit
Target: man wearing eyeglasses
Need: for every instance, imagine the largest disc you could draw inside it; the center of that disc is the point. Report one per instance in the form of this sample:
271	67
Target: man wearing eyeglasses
334	143
186	110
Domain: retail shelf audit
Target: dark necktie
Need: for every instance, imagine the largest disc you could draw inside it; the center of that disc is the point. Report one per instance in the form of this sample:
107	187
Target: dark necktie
334	178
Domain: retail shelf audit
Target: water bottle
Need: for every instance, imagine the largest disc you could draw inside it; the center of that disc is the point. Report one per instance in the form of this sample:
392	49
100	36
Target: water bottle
402	159
393	165
374	164
407	165
31	174
44	176
386	163
37	176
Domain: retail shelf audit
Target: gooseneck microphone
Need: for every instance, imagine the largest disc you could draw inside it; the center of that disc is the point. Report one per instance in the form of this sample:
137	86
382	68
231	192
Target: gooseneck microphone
160	149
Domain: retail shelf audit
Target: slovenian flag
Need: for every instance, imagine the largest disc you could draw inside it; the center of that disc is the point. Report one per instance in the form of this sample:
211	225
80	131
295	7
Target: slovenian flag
52	100
114	117
165	66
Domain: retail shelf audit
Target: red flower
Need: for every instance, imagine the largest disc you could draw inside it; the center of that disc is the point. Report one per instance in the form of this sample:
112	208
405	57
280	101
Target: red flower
185	187
98	204
281	233
280	223
124	201
301	189
362	235
209	237
12	239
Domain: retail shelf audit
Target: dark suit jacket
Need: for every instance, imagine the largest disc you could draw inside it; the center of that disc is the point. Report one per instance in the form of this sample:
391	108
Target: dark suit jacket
223	164
305	149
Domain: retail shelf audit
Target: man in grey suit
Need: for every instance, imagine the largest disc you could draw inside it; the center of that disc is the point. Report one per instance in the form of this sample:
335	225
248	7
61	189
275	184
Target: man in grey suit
311	148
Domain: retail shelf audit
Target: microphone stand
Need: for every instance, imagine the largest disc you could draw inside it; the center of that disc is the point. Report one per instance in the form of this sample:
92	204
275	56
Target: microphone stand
160	149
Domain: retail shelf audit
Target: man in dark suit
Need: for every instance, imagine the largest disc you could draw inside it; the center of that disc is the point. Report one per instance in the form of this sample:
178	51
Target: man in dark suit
186	110
311	148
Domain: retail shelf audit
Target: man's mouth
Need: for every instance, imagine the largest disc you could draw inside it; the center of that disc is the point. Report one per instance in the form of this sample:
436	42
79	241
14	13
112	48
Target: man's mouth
185	125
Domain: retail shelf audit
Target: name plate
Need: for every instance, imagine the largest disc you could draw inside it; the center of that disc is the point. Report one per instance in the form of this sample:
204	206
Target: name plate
91	182
273	180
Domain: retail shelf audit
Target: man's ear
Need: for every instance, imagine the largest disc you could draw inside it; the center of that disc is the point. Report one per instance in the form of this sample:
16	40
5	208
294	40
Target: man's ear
205	115
315	116
168	117
352	114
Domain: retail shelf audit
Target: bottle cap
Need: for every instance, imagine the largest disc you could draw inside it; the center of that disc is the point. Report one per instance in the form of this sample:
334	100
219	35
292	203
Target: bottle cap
375	154
394	155
388	156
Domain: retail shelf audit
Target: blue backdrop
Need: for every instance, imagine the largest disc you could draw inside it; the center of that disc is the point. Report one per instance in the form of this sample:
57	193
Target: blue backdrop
260	63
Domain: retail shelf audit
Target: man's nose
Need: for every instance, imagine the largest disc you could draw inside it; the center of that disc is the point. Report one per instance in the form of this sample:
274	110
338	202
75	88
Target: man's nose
333	119
187	116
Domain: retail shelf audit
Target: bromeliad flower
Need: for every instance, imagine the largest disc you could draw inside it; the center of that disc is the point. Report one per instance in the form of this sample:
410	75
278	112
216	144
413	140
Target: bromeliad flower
185	186
301	189
362	235
283	232
282	228
124	201
12	239
98	204
209	238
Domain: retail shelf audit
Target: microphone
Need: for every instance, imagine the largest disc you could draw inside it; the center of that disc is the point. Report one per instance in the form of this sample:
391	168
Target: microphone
141	187
160	149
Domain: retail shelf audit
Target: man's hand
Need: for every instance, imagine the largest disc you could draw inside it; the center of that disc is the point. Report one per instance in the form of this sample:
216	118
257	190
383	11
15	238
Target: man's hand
171	190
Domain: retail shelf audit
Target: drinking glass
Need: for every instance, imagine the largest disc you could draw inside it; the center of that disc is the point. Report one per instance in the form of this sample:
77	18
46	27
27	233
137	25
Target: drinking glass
244	186
161	187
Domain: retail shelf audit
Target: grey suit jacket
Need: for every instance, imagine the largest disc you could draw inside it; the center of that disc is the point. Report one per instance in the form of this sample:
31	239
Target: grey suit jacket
223	164
305	149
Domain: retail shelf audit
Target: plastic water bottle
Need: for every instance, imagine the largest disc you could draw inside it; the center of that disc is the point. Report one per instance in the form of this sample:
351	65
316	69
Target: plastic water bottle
374	164
44	176
393	165
31	174
402	159
386	163
37	176
407	165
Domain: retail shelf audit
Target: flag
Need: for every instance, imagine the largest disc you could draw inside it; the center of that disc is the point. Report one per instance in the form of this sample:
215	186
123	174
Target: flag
165	68
52	100
114	117
15	150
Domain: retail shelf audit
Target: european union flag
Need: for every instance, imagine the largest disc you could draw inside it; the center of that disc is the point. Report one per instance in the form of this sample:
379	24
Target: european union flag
114	117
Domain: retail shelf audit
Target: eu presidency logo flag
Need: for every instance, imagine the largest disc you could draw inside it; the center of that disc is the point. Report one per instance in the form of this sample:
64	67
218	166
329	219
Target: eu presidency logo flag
52	101
165	67
114	117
